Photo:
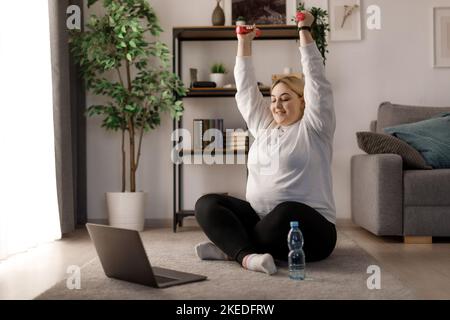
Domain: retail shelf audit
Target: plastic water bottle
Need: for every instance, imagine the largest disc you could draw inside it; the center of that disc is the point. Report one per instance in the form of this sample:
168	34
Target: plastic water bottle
296	256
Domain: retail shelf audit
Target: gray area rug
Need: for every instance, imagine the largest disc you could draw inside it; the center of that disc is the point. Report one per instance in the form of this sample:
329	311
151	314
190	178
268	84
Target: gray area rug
342	276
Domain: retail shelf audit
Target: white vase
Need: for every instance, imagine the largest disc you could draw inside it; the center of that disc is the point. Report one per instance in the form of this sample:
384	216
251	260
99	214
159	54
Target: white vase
218	78
126	209
240	23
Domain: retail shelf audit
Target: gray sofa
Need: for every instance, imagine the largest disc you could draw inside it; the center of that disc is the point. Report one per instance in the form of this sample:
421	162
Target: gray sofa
387	200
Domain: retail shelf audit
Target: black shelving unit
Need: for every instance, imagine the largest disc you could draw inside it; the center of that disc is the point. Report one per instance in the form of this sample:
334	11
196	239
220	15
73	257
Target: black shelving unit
216	33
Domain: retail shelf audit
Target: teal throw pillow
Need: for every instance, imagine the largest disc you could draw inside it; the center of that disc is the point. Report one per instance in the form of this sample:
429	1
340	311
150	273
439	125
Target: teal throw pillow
430	137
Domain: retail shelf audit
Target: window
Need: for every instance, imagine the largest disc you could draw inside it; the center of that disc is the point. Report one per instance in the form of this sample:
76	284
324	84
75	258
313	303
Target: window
28	196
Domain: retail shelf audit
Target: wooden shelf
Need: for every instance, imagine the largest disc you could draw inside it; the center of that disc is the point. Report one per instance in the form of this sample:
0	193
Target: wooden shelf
217	33
212	33
219	92
180	215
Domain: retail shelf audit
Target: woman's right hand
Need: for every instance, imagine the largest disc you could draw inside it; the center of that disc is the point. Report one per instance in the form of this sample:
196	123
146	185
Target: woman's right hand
245	42
248	37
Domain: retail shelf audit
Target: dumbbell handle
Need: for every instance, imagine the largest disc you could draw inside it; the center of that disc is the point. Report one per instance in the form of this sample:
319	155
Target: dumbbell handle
245	30
300	16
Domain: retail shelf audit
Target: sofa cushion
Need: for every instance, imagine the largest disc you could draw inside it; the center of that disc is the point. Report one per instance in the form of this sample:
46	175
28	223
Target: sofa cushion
394	114
426	221
430	137
426	187
377	143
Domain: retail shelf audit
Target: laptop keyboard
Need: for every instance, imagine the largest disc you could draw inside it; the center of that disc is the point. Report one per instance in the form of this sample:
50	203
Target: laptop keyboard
161	279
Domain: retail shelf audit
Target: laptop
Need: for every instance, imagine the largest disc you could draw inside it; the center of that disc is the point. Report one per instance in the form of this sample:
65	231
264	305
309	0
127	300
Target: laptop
123	257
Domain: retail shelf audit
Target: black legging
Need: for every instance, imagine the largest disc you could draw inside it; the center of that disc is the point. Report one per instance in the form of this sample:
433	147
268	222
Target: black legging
235	228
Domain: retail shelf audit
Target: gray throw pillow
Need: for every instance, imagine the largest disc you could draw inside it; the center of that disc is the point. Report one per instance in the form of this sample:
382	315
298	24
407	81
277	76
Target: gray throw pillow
376	143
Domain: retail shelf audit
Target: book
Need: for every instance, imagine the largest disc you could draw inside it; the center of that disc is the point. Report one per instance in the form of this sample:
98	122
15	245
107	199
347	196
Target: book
197	134
203	84
236	138
200	126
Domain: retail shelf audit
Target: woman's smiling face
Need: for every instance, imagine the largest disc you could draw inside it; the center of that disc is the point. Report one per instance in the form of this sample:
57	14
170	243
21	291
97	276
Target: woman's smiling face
286	106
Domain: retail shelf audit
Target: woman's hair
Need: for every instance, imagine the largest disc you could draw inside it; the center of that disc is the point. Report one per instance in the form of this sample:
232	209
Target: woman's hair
294	83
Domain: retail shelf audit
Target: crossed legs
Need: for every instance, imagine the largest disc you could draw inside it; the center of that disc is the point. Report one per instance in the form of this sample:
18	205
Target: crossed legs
237	232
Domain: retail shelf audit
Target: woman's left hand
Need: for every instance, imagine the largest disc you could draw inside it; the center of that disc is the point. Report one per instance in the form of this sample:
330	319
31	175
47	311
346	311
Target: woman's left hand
307	21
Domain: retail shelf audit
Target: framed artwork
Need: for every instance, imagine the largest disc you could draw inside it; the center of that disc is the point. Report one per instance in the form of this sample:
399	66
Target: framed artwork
441	37
345	20
290	9
259	11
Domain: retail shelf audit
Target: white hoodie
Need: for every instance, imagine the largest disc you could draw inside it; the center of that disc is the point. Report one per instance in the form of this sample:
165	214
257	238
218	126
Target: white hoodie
300	168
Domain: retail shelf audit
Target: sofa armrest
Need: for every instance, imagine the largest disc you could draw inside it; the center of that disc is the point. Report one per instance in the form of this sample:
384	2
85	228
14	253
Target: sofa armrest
377	193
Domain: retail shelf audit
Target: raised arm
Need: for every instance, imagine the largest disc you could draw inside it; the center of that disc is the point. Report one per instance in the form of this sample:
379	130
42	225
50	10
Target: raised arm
250	101
319	108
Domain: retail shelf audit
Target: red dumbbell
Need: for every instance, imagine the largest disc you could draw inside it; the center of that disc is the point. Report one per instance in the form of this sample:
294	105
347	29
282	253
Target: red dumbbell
300	16
245	30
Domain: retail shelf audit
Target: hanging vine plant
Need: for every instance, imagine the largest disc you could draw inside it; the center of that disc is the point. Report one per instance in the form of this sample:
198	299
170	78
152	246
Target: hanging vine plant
319	28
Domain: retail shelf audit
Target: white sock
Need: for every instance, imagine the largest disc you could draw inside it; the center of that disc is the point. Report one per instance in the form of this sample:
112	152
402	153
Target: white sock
209	251
259	262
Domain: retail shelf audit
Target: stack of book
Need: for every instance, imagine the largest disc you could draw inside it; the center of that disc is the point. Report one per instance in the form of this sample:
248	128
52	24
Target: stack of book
236	140
200	126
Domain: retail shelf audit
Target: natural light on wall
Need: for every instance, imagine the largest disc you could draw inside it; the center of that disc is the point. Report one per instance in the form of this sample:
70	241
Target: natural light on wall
28	199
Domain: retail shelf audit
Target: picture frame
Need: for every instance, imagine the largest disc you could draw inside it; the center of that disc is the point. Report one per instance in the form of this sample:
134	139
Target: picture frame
441	37
291	8
345	20
261	12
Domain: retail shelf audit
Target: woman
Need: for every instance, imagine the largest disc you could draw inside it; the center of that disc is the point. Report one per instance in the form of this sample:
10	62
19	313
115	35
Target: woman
298	188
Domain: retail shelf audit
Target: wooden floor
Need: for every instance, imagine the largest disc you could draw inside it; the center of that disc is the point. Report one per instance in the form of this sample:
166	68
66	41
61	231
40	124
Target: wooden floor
424	268
26	275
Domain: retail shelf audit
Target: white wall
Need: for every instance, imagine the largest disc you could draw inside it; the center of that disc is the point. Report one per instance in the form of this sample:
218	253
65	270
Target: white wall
392	64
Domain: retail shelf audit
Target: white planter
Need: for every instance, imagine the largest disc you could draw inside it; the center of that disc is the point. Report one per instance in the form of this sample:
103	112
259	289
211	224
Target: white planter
218	78
240	23
126	209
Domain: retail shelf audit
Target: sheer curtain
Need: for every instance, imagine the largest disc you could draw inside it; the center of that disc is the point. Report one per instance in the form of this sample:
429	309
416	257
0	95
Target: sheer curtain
28	195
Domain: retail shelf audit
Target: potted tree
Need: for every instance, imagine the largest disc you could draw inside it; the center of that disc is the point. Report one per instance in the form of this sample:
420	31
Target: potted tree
132	73
217	74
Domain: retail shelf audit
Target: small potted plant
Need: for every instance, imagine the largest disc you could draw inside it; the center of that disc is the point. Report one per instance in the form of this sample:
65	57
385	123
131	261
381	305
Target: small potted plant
217	74
240	21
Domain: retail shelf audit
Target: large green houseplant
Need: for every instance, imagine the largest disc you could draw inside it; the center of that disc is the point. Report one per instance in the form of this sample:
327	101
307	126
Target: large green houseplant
118	61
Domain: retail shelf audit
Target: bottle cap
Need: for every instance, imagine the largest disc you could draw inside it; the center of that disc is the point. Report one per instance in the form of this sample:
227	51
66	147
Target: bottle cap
294	224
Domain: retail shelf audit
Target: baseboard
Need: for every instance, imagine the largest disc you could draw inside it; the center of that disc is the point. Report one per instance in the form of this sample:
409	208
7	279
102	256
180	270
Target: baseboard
344	222
191	221
155	223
